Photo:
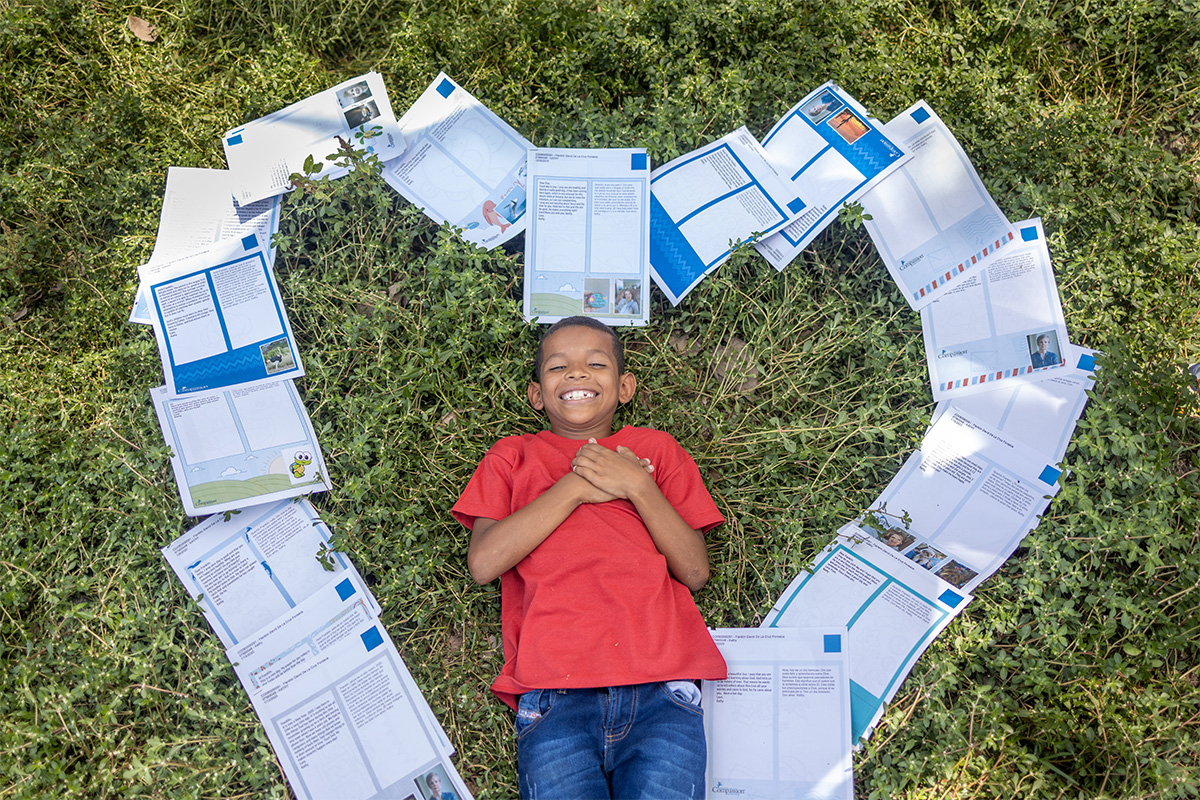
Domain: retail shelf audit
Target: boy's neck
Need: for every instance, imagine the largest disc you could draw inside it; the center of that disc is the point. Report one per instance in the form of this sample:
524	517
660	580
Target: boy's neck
592	432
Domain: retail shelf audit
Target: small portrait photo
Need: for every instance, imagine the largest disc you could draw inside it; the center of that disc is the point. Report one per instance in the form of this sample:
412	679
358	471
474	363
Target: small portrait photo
956	574
596	292
627	297
435	785
360	115
848	126
926	555
353	94
820	107
896	538
277	356
1194	369
1043	349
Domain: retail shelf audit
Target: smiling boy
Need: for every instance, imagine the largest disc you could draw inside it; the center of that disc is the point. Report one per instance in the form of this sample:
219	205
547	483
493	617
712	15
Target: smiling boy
598	540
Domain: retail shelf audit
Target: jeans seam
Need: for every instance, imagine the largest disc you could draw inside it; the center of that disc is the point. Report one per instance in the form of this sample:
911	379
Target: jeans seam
627	728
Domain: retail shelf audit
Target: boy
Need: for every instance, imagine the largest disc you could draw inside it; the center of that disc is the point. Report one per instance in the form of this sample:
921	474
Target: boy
597	538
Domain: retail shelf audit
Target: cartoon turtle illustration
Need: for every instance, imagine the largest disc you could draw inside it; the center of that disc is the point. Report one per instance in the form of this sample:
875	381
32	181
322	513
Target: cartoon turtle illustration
301	461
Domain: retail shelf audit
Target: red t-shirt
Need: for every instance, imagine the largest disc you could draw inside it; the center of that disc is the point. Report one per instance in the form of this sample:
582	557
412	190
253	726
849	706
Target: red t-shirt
594	603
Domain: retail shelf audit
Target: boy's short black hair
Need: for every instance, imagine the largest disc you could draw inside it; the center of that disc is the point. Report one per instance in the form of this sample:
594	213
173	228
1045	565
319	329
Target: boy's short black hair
580	322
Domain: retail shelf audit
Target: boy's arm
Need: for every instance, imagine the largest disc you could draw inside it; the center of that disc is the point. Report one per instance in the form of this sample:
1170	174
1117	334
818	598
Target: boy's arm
620	474
497	545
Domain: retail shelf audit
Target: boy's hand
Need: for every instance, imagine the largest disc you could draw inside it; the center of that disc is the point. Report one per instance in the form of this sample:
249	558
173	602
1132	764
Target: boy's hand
618	473
585	490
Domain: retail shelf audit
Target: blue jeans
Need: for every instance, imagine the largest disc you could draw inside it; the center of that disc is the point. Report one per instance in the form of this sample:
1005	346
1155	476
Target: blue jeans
621	742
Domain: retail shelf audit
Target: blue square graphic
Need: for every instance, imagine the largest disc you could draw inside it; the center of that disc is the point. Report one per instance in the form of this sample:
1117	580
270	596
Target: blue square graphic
249	242
232	140
833	643
1049	475
345	589
372	638
950	598
920	115
796	206
1087	362
445	88
1029	234
638	161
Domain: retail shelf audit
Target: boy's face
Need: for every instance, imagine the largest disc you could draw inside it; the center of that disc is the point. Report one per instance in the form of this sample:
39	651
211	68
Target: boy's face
579	388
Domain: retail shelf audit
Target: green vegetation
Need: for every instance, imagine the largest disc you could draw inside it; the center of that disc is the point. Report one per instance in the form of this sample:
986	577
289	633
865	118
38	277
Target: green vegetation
1073	674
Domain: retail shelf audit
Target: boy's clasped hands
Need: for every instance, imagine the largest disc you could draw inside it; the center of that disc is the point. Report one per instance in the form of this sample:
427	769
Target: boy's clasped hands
613	474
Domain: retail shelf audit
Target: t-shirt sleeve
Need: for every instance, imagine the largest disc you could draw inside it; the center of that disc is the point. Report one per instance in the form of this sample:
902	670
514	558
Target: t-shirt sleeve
488	493
684	489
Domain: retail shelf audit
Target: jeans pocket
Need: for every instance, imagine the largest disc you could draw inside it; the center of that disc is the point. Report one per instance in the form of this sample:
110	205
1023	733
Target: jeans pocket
532	706
684	694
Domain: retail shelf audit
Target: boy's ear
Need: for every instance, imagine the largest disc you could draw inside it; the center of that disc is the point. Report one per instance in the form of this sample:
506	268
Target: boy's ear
534	393
627	387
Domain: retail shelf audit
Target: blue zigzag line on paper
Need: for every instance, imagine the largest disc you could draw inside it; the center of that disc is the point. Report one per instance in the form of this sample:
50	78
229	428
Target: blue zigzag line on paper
661	236
201	372
876	163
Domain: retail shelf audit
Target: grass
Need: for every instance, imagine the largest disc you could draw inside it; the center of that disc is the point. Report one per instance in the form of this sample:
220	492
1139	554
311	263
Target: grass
1075	672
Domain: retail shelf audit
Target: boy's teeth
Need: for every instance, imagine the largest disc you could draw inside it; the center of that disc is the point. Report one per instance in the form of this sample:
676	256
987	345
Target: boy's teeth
578	394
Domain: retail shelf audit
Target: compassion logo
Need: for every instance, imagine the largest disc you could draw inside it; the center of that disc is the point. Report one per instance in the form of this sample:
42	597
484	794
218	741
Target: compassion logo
719	789
953	354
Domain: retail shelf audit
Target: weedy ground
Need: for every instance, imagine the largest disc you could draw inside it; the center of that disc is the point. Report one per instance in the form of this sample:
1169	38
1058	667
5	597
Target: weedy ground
1072	675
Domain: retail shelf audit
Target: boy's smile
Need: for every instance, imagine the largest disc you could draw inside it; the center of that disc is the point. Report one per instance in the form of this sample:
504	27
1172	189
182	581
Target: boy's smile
579	387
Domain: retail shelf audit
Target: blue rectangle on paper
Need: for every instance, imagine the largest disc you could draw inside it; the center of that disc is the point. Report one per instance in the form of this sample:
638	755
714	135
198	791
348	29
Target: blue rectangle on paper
638	161
345	589
863	706
445	88
232	140
1049	475
920	115
249	242
833	643
1087	362
1029	234
796	206
950	598
372	638
670	254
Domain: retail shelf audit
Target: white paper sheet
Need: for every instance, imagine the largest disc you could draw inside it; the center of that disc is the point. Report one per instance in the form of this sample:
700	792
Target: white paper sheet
972	492
726	191
464	165
1040	415
339	706
832	150
588	247
932	220
892	607
233	448
990	327
779	725
248	569
218	318
263	153
198	211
